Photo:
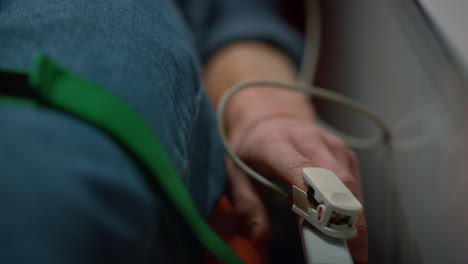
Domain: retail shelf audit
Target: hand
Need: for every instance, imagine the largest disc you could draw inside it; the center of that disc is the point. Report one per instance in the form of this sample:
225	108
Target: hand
271	129
279	147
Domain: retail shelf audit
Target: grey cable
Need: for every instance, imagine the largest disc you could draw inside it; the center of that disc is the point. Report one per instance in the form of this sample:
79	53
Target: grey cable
312	42
307	72
307	89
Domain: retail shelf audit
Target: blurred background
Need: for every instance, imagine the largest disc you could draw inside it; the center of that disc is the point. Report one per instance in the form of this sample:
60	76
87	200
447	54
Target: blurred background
407	60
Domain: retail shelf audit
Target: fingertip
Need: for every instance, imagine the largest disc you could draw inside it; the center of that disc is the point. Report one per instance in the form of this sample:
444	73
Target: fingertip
260	233
360	255
358	246
259	240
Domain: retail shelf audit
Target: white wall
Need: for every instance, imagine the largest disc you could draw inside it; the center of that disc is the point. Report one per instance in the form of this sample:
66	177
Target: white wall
384	54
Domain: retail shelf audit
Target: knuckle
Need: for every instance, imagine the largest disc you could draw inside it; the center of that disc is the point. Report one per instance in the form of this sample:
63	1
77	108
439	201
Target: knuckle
336	144
307	132
245	210
295	167
348	181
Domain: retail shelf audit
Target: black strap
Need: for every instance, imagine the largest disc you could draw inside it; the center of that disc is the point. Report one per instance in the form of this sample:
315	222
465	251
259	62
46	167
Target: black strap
16	84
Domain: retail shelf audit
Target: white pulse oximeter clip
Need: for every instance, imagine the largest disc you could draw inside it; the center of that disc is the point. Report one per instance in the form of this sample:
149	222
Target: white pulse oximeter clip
328	204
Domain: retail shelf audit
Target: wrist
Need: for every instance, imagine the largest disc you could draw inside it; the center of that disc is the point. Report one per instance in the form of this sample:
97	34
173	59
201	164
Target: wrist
248	61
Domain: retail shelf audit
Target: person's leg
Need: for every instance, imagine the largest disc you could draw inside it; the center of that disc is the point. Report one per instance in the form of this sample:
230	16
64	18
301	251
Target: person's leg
67	192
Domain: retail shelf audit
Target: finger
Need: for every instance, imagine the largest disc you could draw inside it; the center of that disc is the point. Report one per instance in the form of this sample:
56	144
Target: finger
332	154
338	150
278	160
358	246
321	156
354	164
249	209
348	159
343	153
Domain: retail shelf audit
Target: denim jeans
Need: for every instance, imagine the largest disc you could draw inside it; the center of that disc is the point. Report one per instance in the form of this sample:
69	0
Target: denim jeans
68	193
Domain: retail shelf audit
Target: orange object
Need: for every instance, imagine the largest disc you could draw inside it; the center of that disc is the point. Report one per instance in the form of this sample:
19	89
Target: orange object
222	220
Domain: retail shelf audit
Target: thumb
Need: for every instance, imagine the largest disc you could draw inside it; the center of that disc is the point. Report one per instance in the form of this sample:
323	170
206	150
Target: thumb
252	217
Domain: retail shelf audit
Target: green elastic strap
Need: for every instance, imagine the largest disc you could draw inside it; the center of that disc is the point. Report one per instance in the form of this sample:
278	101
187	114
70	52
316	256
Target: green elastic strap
70	93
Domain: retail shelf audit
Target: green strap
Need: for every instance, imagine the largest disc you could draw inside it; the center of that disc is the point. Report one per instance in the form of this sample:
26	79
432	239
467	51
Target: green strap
70	93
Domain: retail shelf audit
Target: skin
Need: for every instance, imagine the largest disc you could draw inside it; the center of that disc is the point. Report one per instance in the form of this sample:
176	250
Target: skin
275	132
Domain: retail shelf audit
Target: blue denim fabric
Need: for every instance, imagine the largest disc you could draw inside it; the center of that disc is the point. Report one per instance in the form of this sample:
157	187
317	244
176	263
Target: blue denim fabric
69	194
216	23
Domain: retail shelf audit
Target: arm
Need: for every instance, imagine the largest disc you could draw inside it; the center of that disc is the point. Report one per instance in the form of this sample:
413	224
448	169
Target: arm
248	61
274	131
271	129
